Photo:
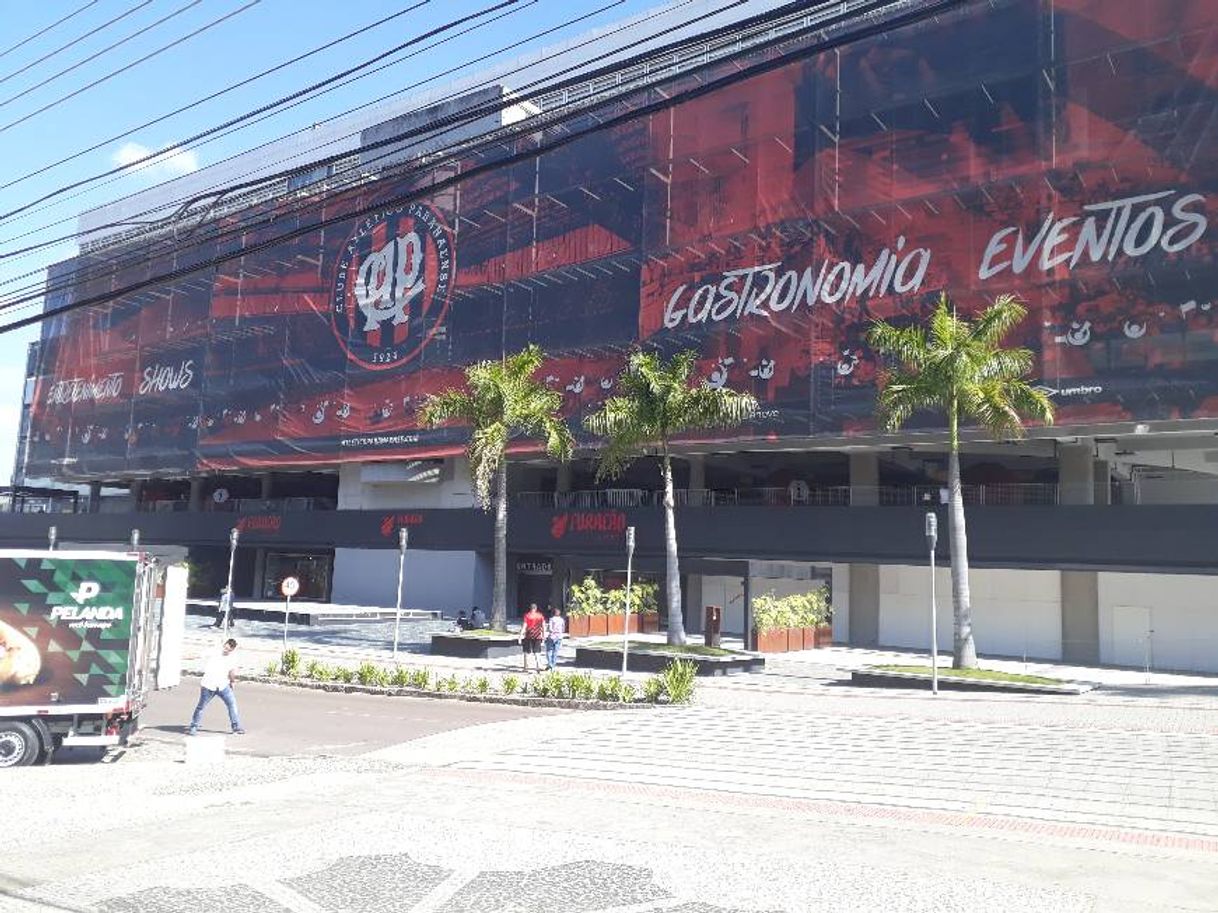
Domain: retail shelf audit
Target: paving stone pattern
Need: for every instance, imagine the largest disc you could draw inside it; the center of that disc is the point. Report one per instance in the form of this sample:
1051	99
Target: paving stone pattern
230	899
579	887
370	884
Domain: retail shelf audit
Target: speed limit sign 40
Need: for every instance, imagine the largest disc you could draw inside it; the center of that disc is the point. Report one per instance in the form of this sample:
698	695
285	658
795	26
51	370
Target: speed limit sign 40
290	586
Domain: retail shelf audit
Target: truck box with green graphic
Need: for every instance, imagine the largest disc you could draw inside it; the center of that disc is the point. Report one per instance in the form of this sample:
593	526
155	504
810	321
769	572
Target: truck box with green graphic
79	636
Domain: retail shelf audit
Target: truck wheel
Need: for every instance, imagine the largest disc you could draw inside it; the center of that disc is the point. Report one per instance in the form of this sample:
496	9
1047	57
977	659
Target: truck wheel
19	746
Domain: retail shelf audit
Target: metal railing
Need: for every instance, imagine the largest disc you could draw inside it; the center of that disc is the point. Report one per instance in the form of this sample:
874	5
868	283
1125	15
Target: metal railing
1004	494
240	505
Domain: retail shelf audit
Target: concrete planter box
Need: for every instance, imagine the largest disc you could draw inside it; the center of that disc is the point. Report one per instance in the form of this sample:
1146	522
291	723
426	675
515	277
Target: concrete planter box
880	678
471	647
647	661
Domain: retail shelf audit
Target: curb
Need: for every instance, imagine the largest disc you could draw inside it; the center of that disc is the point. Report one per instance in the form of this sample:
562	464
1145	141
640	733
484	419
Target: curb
558	703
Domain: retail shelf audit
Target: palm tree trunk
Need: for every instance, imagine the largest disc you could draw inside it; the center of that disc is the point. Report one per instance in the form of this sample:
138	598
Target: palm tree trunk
499	597
964	651
672	573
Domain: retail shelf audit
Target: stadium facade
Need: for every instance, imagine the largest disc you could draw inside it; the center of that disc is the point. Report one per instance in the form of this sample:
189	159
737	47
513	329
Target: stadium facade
759	198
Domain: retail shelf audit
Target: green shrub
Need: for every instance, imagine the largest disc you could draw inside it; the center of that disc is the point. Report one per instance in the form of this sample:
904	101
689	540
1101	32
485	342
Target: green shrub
550	684
318	671
586	598
629	693
653	688
482	685
401	677
678	679
509	684
799	610
343	674
273	667
451	684
609	689
290	663
581	686
371	674
420	678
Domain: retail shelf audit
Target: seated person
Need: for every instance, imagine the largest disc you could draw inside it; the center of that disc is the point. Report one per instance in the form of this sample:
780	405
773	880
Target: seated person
477	619
462	623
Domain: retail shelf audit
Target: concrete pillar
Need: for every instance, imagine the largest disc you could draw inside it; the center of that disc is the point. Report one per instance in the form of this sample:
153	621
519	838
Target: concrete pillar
268	484
137	491
259	573
697	475
694	608
559	566
1080	617
1102	489
196	494
864	479
864	605
750	640
94	497
1076	472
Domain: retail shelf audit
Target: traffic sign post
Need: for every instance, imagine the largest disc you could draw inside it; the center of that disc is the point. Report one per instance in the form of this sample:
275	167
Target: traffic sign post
289	586
626	608
932	539
403	544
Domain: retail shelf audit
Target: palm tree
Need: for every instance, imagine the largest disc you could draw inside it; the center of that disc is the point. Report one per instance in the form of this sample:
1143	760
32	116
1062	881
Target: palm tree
960	368
657	403
503	401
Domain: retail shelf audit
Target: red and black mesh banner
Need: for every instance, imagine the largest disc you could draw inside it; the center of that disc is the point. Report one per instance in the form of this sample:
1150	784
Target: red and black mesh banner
1063	151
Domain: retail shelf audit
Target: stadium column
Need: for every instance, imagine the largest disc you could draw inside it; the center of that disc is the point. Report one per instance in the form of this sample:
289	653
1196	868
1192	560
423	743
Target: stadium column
558	564
864	578
94	497
1076	481
697	476
137	491
196	494
692	586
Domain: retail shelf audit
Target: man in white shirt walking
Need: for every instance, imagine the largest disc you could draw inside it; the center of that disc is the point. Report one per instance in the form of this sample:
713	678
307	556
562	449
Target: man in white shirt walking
219	676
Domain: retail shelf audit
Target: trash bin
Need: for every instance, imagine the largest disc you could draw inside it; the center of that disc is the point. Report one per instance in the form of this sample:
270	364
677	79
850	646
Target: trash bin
712	625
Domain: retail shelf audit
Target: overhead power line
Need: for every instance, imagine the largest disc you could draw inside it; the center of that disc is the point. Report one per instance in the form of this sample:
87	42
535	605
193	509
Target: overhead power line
456	119
214	95
757	24
110	47
46	28
130	66
271	105
38	34
502	140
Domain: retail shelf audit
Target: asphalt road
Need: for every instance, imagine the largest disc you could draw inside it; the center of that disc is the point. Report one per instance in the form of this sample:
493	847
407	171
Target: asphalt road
284	721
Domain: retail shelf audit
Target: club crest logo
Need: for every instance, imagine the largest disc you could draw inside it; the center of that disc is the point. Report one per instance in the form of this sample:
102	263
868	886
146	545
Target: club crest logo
392	286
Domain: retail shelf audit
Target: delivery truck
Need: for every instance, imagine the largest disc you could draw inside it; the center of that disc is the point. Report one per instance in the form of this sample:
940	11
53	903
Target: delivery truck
84	638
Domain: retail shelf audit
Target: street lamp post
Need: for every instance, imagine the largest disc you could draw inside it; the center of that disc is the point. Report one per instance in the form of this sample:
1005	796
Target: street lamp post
932	538
403	542
233	536
52	538
626	610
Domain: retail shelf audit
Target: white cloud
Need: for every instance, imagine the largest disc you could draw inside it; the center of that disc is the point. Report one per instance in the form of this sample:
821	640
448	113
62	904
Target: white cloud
169	163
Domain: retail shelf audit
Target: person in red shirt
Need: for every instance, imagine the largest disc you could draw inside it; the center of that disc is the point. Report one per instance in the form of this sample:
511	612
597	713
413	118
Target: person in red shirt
532	633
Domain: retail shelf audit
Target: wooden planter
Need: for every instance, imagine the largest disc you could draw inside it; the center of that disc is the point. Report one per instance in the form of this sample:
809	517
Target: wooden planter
651	622
598	625
824	635
771	641
615	623
807	638
577	625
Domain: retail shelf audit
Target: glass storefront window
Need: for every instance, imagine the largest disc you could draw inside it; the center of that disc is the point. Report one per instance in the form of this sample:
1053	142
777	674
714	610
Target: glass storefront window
313	572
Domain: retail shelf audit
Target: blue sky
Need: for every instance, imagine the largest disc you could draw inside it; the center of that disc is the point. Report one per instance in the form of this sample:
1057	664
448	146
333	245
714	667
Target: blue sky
265	34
